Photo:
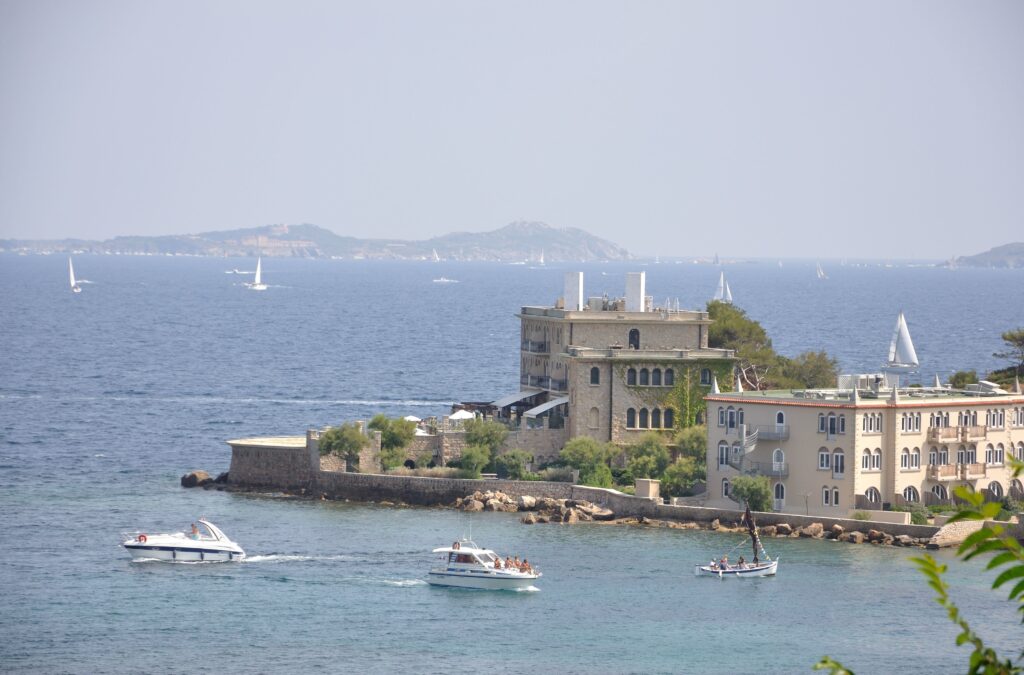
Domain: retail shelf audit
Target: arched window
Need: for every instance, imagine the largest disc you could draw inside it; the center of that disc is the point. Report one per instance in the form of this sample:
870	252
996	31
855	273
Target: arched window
780	492
842	424
634	338
593	418
631	419
595	375
1016	488
670	377
833	424
739	415
905	458
725	487
865	460
961	455
643	419
835	496
656	377
996	489
723	453
821	423
780	418
645	377
826	496
990	454
940	492
915	458
778	460
873	495
877	459
838	463
656	419
705	376
670	418
824	459
944	455
933	456
730	418
910	494
631	377
1000	454
1020	450
972	454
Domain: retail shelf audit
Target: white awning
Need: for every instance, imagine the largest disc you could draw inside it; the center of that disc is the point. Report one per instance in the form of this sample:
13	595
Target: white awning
461	415
412	418
544	407
515	398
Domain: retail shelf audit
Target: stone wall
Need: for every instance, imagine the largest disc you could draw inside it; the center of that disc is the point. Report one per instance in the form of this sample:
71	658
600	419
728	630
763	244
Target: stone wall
543	443
277	468
425	491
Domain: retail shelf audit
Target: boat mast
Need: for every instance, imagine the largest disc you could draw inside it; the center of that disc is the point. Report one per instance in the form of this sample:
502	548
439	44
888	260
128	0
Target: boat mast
752	528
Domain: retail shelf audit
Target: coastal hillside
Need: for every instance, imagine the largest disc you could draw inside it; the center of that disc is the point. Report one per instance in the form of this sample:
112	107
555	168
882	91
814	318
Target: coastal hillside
1007	255
533	242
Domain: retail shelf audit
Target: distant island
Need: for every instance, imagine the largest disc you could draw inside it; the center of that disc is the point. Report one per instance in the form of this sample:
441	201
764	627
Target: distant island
1007	255
527	242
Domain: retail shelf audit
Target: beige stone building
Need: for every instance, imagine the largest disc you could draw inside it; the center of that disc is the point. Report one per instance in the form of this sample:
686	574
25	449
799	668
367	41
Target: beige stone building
830	452
612	369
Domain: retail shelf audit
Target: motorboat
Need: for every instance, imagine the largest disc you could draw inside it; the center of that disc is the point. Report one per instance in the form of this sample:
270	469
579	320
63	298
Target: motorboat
466	565
206	543
761	566
445	280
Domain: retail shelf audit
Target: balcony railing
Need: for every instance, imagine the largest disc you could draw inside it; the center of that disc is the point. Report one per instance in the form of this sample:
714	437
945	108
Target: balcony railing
536	347
975	433
942	472
772	432
767	468
971	471
957	434
544	382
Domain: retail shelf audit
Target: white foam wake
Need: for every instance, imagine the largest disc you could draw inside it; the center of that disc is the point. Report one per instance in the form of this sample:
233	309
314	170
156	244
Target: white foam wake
283	558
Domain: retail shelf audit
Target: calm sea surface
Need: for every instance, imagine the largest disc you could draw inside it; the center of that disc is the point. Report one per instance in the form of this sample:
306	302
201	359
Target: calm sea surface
107	397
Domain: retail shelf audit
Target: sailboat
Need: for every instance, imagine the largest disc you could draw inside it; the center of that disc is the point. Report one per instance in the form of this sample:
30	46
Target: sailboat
901	348
75	288
435	258
541	261
722	292
257	281
755	568
821	272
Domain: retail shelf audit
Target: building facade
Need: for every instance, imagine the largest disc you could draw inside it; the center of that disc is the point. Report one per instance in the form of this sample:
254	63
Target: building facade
612	369
831	452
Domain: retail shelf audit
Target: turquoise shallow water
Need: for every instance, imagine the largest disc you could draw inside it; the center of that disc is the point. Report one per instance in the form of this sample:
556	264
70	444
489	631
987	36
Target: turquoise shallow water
106	398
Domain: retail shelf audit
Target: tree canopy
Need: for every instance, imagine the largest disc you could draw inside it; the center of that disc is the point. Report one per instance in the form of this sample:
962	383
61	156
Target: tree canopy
591	458
474	458
395	435
759	366
1014	353
648	458
756	491
344	441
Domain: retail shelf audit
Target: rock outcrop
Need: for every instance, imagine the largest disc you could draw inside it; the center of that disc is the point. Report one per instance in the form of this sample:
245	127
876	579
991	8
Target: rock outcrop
197	478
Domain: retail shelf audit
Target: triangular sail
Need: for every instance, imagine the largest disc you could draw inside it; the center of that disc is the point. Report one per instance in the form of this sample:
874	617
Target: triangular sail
901	348
728	293
820	271
258	279
720	289
71	273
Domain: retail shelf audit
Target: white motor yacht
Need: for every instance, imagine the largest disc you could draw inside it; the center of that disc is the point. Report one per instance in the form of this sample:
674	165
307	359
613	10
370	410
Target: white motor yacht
206	543
466	565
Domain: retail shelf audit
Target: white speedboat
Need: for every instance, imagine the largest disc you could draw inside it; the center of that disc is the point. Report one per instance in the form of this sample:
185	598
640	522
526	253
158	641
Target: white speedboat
466	565
206	543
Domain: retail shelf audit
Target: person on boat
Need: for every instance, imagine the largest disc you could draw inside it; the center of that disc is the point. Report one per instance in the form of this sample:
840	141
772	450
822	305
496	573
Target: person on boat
195	532
497	563
724	563
455	546
713	564
526	569
741	563
508	563
516	564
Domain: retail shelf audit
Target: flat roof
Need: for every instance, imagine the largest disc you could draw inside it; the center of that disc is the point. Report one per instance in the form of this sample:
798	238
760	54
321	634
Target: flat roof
272	441
908	397
681	316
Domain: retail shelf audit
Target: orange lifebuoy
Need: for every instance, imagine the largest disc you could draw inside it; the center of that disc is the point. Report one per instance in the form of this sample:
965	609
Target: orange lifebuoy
142	539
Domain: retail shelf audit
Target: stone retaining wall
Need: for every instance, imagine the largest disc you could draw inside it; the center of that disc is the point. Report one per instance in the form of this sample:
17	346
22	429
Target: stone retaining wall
424	491
277	468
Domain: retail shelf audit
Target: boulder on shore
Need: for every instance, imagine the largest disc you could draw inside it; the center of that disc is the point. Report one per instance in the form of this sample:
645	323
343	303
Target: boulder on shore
715	524
526	503
472	505
783	529
492	504
768	531
529	519
814	530
836	531
195	479
594	511
222	477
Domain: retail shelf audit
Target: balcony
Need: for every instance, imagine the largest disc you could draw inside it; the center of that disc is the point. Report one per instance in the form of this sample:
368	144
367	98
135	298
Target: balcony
777	469
974	433
972	471
771	432
943	472
544	382
943	434
536	347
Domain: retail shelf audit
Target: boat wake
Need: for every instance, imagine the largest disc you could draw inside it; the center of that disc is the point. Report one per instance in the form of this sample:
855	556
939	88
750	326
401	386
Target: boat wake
283	558
405	582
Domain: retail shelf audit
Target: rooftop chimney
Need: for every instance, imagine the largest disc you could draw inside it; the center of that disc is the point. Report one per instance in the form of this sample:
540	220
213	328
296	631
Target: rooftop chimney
573	291
635	291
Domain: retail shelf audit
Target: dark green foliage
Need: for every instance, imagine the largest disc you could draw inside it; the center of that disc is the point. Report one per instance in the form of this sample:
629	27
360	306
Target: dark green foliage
598	475
486	434
648	457
474	458
756	491
919	513
680	476
591	458
344	441
1014	340
962	378
512	464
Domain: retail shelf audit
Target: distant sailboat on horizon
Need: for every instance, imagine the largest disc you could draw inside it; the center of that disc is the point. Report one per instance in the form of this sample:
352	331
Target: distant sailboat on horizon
723	293
257	281
75	288
820	272
435	258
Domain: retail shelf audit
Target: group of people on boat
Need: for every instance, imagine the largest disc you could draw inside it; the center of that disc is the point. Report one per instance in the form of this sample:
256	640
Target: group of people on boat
513	564
724	564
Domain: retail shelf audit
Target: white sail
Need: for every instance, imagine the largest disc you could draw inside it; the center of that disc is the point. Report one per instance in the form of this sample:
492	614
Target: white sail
436	258
542	256
717	261
728	293
720	290
901	348
821	272
75	288
258	279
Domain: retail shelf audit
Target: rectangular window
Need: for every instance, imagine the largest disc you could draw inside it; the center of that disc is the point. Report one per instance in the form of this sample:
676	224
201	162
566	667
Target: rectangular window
826	497
842	424
824	461
821	424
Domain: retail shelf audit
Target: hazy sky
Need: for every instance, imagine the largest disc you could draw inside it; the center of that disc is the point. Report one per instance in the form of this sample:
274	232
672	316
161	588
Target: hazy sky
881	129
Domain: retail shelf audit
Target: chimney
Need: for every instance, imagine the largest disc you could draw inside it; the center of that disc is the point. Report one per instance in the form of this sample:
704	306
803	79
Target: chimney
573	291
635	291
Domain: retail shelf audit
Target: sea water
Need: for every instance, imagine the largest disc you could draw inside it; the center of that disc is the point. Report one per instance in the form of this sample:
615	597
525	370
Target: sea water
108	396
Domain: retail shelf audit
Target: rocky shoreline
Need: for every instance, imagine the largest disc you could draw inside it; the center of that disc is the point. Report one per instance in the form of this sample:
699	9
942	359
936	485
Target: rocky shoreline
570	512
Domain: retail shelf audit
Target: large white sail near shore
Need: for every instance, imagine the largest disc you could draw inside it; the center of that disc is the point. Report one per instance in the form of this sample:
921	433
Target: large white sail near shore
901	348
723	293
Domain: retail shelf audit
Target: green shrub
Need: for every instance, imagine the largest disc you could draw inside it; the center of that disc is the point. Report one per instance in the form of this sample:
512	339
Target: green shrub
918	513
474	458
754	490
861	515
512	464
